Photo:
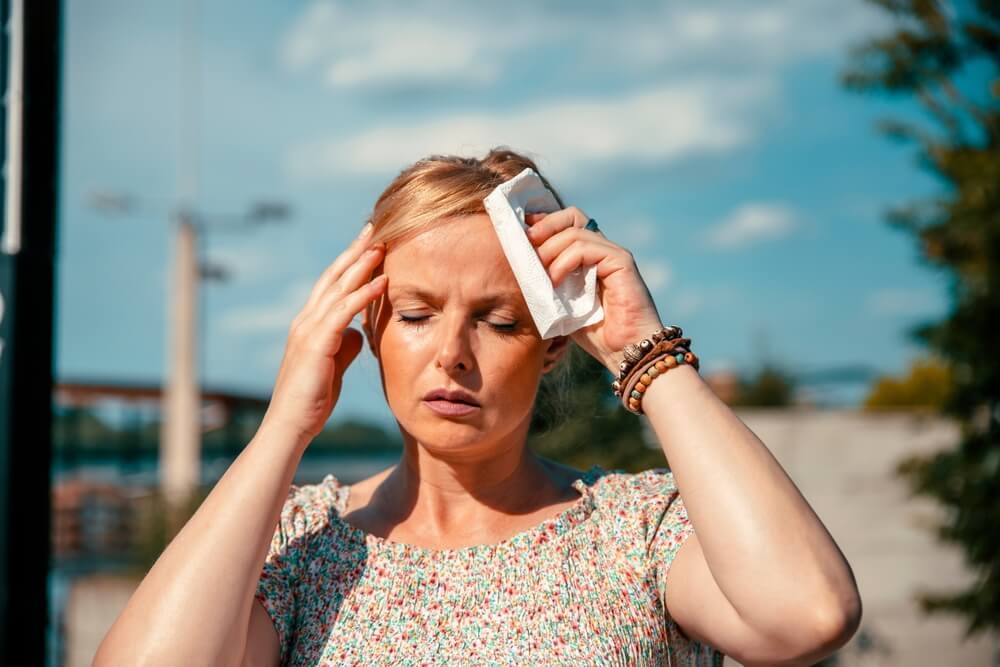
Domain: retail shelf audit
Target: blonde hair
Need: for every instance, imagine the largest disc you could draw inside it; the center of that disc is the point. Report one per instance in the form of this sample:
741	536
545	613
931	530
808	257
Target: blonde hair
442	186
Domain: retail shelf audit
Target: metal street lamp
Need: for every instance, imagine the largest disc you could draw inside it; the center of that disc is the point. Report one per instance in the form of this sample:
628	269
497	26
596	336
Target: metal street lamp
180	434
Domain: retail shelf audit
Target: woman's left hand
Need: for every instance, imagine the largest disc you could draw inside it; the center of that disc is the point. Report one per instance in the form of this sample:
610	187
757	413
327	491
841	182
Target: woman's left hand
629	312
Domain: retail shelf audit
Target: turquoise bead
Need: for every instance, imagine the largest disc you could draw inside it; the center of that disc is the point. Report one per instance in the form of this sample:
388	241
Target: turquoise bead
636	395
679	357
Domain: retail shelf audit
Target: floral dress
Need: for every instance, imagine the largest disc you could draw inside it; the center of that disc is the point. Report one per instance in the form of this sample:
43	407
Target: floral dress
585	587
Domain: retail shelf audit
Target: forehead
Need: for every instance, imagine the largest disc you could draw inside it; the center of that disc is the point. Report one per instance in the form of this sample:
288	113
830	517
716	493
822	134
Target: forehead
460	256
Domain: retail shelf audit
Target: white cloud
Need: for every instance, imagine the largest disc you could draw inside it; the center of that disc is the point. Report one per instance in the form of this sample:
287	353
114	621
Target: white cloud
904	301
701	74
732	33
378	44
658	124
751	223
365	45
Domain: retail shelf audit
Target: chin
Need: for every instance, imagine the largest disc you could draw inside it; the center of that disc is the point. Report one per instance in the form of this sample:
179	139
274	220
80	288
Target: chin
441	433
444	439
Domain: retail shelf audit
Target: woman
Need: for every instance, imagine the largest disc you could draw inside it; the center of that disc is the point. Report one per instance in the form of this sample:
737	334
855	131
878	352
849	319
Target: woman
473	550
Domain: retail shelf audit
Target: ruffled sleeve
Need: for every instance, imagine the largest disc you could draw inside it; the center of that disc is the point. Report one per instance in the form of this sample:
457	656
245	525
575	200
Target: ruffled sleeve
653	524
664	521
305	511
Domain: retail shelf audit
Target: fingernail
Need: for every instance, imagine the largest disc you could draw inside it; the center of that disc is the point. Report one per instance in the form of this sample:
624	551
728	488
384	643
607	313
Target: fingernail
366	230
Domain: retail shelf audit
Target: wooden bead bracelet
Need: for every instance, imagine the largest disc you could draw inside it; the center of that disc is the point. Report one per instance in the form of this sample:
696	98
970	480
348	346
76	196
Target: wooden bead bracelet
651	352
660	358
637	388
635	352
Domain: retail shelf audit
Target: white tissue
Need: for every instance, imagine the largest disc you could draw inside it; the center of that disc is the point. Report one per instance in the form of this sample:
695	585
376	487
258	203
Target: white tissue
556	311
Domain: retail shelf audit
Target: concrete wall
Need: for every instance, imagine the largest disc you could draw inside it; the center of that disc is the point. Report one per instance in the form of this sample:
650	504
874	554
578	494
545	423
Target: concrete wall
843	462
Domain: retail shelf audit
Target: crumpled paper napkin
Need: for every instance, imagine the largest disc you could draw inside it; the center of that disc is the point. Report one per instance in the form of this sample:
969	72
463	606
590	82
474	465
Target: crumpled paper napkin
557	311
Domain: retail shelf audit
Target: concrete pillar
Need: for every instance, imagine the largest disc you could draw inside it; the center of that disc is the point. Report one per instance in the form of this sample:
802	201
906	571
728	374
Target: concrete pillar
180	436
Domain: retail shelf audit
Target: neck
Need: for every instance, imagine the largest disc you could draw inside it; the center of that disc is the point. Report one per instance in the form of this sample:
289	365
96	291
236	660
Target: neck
450	492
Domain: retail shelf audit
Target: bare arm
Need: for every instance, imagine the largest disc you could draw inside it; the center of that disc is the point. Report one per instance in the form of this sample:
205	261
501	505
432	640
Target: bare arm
196	605
193	607
761	579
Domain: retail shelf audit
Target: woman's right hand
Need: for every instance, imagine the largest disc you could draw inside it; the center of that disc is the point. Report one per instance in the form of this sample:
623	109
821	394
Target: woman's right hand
320	344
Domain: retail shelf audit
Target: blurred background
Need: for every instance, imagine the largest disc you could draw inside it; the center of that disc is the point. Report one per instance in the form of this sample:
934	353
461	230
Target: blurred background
809	187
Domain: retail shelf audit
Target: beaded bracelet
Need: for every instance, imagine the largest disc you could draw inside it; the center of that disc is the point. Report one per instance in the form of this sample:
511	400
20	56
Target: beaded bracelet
635	352
657	350
639	382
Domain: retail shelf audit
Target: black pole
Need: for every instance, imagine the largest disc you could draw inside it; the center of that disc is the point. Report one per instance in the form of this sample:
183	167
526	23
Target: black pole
31	43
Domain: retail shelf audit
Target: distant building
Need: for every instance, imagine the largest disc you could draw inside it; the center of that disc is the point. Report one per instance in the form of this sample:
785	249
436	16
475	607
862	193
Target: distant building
92	522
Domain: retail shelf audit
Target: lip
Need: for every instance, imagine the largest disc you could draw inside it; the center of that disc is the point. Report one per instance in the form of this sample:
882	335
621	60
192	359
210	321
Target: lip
450	408
451	395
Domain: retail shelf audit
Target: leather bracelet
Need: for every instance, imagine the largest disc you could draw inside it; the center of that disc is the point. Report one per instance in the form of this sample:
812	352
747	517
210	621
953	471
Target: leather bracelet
639	381
634	352
657	350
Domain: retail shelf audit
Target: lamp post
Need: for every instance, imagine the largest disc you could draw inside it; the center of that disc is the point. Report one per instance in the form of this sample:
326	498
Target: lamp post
180	427
180	431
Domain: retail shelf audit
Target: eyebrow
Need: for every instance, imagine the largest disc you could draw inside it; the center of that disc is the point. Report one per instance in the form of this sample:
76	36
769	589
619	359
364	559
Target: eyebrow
491	298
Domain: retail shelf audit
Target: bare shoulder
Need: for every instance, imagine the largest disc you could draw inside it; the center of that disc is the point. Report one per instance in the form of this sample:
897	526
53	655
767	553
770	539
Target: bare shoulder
363	490
562	475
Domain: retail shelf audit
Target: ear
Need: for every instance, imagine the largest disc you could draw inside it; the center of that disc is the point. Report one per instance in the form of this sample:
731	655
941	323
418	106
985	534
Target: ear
558	346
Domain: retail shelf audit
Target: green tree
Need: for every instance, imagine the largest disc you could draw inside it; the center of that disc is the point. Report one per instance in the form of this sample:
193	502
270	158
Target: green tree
947	57
768	387
927	385
579	422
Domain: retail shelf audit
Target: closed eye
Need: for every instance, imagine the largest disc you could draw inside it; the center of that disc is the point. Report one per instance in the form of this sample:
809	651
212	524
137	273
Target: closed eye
419	322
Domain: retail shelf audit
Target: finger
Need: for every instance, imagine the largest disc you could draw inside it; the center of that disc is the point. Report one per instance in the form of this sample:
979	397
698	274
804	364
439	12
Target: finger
366	257
335	315
555	222
588	253
561	240
353	277
335	271
339	265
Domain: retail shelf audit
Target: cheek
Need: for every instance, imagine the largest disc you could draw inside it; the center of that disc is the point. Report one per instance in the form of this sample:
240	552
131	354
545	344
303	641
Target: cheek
399	341
505	366
510	370
397	354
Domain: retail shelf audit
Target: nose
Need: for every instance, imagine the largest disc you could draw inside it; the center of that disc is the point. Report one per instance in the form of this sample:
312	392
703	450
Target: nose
454	347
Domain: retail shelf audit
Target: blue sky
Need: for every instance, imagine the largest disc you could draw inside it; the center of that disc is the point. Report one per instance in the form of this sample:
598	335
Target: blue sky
712	139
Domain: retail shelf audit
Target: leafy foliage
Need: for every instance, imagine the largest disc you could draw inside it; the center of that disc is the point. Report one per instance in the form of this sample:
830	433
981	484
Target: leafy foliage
947	56
579	422
927	385
768	387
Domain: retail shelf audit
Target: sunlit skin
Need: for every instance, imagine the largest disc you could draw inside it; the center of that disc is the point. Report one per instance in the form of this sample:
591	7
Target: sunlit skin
454	317
760	579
